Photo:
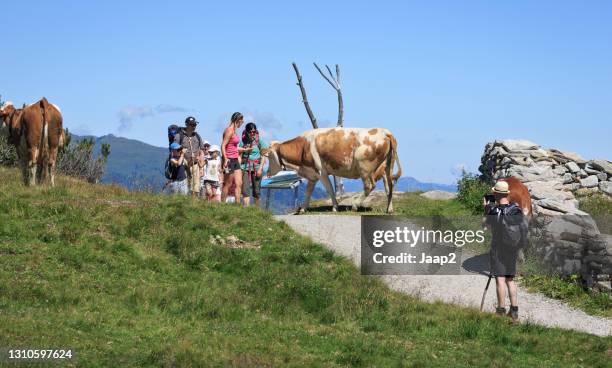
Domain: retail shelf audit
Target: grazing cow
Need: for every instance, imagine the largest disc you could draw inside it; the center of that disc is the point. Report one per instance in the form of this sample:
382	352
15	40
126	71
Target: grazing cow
353	153
519	194
36	132
9	122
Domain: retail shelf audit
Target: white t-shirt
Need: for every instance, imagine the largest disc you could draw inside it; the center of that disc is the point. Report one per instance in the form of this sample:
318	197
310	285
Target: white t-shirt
211	169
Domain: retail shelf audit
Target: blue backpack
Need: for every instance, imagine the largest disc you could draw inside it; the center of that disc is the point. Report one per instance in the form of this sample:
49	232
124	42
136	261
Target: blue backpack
173	130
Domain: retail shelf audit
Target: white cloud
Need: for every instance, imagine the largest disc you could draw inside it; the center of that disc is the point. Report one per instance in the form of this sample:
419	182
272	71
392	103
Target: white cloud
128	114
459	169
267	124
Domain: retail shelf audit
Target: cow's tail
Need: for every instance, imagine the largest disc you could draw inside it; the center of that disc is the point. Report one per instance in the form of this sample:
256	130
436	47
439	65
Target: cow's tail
393	158
44	140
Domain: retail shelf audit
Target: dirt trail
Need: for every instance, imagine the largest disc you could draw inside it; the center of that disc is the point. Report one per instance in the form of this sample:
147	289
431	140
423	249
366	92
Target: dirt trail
343	235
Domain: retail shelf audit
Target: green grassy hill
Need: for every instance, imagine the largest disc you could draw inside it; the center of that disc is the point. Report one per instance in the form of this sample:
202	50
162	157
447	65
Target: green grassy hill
135	279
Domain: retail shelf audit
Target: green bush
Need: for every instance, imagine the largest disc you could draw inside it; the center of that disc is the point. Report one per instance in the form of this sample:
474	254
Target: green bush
596	205
600	207
8	155
77	159
470	190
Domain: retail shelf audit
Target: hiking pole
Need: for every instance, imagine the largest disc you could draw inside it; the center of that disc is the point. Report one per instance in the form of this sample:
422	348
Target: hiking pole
484	294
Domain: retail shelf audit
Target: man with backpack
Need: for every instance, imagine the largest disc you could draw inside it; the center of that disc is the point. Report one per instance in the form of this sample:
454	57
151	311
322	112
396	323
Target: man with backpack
509	227
192	143
252	163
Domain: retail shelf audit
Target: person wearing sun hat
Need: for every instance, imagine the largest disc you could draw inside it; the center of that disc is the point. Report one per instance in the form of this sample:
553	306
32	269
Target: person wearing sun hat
212	174
509	234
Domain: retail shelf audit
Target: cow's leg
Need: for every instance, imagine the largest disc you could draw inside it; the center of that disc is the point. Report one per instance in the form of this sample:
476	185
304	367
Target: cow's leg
330	191
389	187
22	155
32	158
51	165
386	184
23	164
368	186
32	168
307	194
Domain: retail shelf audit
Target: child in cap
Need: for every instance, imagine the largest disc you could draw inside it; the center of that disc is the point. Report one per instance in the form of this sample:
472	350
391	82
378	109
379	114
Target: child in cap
212	174
176	171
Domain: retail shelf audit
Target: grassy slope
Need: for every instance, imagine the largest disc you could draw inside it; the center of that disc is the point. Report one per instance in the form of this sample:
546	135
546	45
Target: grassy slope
132	280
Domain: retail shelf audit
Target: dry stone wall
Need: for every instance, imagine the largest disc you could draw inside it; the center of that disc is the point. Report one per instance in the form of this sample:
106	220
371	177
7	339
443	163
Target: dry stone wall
570	240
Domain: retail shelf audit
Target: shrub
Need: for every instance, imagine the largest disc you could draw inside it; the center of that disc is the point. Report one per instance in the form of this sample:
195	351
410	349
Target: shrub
8	155
600	207
596	205
470	190
78	160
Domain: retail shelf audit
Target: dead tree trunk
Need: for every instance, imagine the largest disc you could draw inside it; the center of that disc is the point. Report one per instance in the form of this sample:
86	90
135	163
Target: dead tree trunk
313	120
335	83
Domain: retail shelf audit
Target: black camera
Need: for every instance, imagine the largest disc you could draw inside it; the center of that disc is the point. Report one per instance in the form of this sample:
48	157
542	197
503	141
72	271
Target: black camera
489	198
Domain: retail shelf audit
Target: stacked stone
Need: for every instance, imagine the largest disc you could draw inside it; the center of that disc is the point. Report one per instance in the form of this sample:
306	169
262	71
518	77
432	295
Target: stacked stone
529	162
570	239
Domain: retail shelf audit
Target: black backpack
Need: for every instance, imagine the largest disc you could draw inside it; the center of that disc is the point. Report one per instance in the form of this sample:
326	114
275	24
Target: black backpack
513	226
168	169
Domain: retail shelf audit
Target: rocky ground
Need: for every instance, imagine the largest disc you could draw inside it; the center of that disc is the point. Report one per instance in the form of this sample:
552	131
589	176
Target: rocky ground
343	235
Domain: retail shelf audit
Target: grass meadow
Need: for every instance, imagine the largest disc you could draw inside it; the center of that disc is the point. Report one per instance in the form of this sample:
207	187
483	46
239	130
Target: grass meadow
138	280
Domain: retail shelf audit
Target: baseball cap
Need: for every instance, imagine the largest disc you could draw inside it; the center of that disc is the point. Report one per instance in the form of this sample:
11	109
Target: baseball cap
191	121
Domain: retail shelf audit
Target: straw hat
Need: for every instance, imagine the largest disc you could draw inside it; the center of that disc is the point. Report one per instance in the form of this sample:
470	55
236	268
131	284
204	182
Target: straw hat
501	187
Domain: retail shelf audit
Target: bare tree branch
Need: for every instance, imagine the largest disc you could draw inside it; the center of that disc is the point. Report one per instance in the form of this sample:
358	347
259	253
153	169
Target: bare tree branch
324	76
338	75
340	101
338	184
313	120
332	77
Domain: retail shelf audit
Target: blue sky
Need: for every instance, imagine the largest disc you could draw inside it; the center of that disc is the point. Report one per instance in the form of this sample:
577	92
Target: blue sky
444	77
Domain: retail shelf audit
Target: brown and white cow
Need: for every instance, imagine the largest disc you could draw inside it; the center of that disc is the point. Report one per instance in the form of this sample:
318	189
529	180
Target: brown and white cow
353	153
36	131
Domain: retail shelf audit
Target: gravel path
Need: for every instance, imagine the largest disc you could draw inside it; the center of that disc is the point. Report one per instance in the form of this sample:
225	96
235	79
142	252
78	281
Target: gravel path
343	235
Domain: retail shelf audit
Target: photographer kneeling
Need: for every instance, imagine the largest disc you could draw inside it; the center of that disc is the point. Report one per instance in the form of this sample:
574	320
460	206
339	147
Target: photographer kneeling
509	227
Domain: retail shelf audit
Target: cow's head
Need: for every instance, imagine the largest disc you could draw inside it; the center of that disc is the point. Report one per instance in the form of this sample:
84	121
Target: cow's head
6	112
274	162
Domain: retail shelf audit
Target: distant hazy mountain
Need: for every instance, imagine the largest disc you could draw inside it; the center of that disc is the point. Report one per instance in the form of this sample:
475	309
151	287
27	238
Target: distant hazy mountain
140	166
132	163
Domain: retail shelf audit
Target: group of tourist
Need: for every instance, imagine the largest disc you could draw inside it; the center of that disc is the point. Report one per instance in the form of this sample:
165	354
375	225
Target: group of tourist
229	173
